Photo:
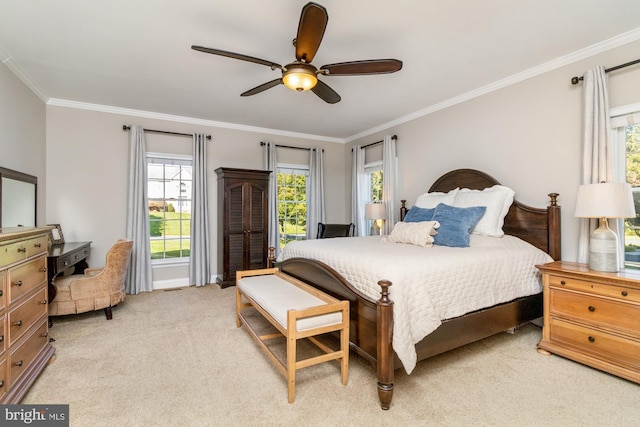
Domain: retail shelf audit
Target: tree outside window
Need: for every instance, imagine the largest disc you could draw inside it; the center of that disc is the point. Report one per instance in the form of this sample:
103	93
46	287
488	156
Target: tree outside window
292	203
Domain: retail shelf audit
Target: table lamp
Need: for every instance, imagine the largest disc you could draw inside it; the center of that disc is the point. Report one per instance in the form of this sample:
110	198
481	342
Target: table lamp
374	212
604	200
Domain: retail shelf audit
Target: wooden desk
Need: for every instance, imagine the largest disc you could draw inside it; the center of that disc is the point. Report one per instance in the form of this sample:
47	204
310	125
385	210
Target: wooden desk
64	256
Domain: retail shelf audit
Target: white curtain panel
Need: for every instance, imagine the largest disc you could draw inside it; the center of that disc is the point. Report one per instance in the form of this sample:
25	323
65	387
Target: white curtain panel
597	150
199	262
139	278
359	195
389	183
271	164
315	192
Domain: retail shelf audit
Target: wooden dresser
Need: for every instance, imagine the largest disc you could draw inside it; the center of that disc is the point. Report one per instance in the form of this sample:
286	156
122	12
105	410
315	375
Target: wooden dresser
592	317
24	334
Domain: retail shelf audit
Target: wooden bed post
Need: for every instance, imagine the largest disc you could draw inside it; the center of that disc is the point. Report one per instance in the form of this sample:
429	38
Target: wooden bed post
385	359
271	257
553	228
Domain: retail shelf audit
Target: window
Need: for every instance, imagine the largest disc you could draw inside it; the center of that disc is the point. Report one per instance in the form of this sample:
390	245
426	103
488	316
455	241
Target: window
169	192
626	133
374	181
292	202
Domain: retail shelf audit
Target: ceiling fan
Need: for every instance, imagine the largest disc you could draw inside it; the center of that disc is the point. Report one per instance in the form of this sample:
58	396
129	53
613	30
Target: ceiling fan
300	75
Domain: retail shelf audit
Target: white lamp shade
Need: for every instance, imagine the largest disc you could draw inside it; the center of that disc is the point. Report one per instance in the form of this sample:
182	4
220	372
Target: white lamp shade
605	200
375	211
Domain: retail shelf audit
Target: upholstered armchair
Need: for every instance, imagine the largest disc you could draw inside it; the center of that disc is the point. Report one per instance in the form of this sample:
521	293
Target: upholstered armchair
95	289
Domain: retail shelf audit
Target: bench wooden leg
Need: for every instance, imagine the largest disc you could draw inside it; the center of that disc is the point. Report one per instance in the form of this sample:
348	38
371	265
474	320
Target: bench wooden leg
291	358
238	306
344	346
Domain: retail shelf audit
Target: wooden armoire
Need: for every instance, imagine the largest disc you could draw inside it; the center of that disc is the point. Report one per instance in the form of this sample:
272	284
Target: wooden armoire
243	221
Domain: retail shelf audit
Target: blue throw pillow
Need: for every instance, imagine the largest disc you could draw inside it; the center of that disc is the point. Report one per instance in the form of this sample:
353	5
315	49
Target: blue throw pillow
417	214
456	224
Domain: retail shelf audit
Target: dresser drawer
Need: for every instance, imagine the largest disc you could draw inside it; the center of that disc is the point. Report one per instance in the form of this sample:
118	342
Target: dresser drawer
25	277
3	334
12	252
613	291
596	311
37	245
21	357
3	291
597	343
21	318
4	379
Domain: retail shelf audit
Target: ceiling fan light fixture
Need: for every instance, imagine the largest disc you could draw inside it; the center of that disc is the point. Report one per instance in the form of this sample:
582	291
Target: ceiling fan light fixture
300	77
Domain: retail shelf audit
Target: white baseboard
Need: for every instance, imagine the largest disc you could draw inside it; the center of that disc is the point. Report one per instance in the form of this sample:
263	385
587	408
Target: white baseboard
171	284
182	282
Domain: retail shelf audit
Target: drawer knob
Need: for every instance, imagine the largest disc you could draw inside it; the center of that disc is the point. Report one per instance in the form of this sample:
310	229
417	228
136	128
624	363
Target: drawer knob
591	339
1	338
1	292
38	245
18	283
624	293
43	301
562	282
1	383
19	363
43	269
592	308
45	334
18	323
22	249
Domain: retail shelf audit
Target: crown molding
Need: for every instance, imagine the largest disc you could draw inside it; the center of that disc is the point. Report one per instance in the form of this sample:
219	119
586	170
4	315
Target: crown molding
24	78
554	64
183	119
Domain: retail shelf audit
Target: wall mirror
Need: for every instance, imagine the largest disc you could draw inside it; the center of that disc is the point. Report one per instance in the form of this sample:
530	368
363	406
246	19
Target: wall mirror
18	193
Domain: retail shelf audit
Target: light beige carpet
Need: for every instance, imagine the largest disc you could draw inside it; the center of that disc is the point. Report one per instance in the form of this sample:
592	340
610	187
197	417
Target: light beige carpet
176	358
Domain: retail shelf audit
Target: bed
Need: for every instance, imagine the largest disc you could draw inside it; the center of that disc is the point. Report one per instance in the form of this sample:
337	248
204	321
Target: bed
372	314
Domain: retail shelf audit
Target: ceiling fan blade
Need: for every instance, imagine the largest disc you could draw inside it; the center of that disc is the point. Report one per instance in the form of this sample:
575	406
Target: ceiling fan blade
326	93
370	66
237	56
313	21
262	87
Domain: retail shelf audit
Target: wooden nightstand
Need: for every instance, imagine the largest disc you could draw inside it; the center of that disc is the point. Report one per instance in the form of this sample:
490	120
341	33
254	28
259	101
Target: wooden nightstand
592	317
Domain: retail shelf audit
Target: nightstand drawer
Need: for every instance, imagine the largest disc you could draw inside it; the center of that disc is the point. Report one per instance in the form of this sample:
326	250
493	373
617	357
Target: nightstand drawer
597	343
613	291
597	311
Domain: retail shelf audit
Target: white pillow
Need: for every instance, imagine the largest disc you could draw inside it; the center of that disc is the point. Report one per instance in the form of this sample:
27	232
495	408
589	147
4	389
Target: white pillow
497	199
431	200
414	233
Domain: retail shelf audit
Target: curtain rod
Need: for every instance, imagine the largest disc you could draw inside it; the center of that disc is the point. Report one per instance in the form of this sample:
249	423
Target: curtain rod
125	127
290	146
576	80
378	142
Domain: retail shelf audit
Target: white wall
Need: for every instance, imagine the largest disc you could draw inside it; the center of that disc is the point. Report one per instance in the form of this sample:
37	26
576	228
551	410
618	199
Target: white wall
22	133
528	136
87	157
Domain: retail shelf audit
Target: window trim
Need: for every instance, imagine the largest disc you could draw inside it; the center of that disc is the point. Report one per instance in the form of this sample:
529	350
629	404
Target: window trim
179	159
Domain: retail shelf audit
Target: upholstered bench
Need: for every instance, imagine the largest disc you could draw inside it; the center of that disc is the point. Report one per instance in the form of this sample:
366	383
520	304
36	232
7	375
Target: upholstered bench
297	311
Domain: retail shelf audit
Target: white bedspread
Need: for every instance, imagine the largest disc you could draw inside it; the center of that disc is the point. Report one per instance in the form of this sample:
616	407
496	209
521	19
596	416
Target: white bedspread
430	284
